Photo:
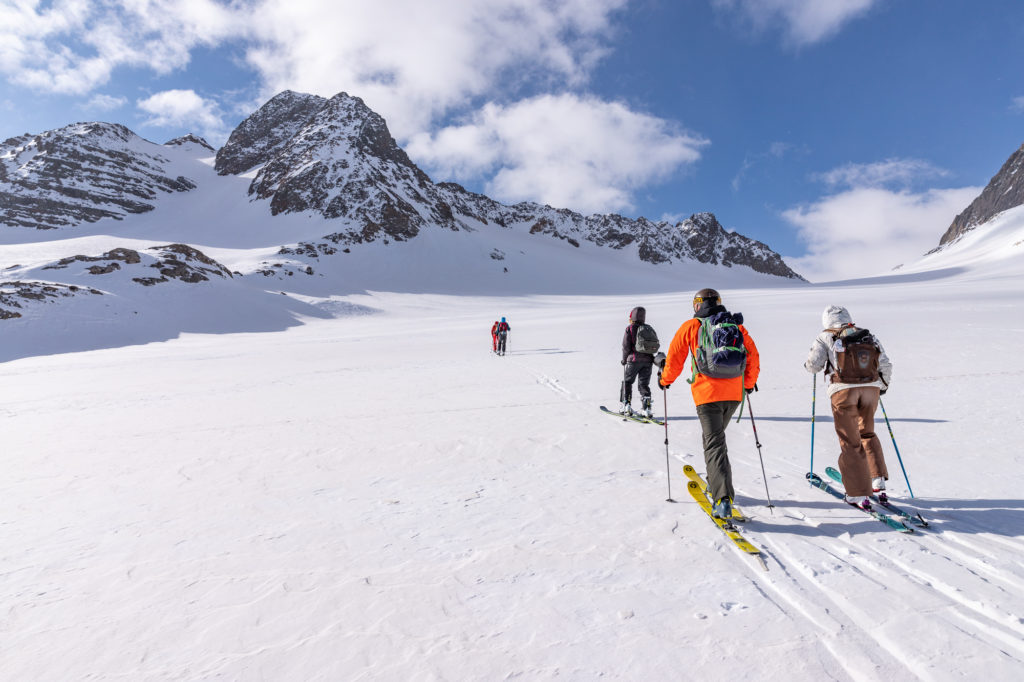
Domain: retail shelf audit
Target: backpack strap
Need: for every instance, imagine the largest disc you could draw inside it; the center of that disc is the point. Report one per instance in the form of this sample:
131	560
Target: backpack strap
702	334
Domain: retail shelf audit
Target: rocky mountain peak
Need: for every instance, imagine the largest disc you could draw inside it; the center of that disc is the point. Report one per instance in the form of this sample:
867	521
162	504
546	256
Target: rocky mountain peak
266	131
1004	191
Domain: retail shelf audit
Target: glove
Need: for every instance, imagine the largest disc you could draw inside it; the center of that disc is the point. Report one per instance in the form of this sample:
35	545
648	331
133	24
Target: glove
659	360
751	390
623	363
661	385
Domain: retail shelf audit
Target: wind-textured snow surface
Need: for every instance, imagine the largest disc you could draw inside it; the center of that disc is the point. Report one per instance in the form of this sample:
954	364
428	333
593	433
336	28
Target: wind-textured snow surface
374	495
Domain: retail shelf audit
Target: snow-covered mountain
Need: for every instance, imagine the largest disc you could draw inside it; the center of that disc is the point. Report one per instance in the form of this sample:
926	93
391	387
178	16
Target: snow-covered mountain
335	157
82	173
313	197
1004	191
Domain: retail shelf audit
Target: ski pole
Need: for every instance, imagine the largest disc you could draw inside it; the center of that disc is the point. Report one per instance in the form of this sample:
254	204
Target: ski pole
668	477
814	402
757	441
896	447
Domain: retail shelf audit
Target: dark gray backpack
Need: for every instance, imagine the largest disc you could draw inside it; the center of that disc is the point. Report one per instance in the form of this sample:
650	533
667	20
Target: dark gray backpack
646	339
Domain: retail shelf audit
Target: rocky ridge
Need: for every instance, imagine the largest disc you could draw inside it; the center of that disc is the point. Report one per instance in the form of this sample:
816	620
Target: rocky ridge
1004	191
82	173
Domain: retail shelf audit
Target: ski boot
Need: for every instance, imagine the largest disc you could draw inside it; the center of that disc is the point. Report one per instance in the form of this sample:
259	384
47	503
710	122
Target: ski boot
626	409
648	412
878	488
722	509
860	501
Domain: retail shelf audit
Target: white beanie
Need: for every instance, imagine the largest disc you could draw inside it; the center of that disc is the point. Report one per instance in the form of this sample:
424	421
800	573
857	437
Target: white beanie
835	316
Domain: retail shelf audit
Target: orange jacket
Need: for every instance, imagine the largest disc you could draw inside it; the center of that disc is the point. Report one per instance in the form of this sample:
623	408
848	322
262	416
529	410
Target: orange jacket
705	389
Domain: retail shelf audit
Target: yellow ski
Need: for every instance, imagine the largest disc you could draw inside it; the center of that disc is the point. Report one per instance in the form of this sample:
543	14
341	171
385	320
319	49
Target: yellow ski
692	474
726	527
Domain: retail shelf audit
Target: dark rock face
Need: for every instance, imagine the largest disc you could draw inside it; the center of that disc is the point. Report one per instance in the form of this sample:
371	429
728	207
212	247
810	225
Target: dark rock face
173	261
259	137
81	173
14	295
181	261
189	139
340	162
1004	191
127	256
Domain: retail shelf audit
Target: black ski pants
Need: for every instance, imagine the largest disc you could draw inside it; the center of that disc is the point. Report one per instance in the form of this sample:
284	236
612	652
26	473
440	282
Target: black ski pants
714	417
502	340
639	372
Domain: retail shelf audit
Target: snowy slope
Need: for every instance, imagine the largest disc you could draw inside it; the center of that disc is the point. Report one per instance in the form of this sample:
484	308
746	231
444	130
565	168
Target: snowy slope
268	255
993	246
376	496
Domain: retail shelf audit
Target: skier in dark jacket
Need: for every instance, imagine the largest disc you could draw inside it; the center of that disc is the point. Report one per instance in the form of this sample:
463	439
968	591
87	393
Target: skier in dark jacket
503	330
637	366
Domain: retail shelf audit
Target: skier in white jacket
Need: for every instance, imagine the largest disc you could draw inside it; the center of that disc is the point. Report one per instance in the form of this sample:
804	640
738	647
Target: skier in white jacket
854	395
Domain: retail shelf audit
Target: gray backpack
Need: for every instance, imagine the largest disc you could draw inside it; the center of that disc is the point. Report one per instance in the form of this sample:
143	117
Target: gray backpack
646	339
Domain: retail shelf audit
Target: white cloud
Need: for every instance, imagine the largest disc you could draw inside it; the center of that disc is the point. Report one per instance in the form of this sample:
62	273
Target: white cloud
73	46
183	109
101	102
804	22
566	151
1018	104
889	172
412	61
870	230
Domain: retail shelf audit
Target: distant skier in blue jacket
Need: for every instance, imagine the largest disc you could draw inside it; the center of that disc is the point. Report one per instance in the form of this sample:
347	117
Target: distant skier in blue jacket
503	330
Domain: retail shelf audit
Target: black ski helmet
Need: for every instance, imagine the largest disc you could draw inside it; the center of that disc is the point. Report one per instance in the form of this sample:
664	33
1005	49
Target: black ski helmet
638	315
710	296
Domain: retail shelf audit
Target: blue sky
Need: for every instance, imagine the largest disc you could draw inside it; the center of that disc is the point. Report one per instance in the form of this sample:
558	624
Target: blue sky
846	134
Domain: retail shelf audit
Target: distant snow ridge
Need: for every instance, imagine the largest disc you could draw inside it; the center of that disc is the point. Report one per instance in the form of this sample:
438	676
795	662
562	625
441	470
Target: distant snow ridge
337	158
1004	191
81	173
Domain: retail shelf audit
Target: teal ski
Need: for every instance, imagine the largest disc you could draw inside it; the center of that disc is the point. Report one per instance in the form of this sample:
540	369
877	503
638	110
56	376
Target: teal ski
817	482
915	519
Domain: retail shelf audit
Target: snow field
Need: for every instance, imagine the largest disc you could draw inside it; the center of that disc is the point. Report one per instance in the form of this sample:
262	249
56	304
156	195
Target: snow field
379	497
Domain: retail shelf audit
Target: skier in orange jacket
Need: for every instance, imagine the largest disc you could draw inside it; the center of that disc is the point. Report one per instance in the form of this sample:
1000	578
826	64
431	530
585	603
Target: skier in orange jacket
716	398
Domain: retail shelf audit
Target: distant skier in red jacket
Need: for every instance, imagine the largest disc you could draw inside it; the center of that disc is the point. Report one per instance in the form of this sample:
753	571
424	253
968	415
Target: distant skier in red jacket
494	337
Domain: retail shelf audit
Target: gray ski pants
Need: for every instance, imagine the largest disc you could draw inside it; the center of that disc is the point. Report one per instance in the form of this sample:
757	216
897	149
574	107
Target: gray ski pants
714	417
639	372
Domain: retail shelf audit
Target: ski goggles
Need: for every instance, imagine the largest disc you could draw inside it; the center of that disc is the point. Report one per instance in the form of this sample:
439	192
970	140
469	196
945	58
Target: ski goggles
697	300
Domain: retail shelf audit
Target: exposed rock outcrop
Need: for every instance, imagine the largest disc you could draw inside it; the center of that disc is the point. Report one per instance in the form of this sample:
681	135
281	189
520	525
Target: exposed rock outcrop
1004	191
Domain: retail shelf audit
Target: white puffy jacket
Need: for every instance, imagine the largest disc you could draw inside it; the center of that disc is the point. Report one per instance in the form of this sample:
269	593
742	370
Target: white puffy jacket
822	353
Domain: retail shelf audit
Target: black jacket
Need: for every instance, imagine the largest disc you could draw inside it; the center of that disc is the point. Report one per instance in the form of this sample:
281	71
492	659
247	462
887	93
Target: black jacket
629	343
